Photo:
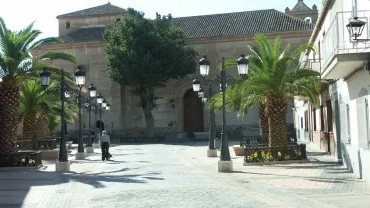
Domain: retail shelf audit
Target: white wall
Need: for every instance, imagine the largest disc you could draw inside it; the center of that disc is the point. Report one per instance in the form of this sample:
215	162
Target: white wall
354	93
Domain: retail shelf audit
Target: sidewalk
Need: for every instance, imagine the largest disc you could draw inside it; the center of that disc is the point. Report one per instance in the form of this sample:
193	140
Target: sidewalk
180	175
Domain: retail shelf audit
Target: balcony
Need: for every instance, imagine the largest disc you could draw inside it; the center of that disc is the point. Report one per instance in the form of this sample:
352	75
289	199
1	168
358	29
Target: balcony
341	55
313	64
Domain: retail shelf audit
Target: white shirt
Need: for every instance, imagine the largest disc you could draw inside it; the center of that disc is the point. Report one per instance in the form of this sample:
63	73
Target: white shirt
104	138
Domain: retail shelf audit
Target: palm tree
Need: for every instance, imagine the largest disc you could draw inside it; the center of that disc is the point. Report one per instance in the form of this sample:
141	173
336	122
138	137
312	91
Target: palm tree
16	64
271	84
36	106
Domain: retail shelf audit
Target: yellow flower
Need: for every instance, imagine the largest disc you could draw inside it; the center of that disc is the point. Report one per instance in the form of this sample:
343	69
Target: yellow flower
279	154
255	154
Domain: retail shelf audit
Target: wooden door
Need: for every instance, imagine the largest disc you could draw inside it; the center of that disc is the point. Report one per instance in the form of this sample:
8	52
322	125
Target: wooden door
193	112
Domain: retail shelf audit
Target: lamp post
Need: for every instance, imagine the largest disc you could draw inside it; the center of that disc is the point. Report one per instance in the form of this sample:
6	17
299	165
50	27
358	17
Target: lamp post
63	164
99	100
80	81
225	163
92	95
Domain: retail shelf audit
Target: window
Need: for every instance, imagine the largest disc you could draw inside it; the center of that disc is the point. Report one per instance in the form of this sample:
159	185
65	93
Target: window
329	115
68	25
301	122
367	122
314	119
306	121
348	124
308	19
319	46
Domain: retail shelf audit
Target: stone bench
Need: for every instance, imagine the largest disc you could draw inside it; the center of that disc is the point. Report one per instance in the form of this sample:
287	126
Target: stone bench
69	144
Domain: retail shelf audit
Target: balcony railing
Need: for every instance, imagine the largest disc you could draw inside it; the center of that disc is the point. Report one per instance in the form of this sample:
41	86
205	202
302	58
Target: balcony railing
337	39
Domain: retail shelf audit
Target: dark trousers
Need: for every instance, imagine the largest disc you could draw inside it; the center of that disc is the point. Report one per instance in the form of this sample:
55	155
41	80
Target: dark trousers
104	150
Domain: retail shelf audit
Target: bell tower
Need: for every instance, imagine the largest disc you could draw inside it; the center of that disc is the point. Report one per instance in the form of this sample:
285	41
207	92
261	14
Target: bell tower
303	12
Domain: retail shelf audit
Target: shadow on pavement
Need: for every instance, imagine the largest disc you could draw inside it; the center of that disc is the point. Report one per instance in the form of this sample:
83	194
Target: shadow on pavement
19	183
342	180
318	154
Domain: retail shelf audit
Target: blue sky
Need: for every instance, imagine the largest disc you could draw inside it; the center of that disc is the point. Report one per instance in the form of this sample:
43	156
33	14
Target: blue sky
19	13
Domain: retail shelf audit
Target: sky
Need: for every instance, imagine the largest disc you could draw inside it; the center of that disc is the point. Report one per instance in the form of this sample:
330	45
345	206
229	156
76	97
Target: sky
20	13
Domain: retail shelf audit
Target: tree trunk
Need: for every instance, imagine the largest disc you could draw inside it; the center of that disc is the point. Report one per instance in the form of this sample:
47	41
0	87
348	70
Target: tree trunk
276	108
30	130
42	130
148	106
149	120
264	122
9	113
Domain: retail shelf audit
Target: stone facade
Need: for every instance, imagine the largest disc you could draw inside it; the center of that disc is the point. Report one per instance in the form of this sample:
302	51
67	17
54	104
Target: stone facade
303	12
125	114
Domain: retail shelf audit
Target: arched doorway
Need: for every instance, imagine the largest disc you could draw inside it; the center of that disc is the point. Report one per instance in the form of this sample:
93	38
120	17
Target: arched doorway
193	112
97	125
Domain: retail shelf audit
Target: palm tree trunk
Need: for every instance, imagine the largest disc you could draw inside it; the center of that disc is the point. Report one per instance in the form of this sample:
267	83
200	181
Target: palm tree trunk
30	129
9	113
264	122
276	108
42	130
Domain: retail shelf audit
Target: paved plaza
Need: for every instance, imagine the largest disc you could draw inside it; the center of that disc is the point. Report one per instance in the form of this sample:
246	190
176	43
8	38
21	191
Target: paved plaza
180	175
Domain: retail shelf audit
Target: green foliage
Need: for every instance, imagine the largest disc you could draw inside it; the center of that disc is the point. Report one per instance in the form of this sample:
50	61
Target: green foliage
145	54
270	73
35	99
16	60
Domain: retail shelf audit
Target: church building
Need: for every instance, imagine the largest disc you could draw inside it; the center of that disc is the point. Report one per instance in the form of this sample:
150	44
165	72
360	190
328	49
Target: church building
180	110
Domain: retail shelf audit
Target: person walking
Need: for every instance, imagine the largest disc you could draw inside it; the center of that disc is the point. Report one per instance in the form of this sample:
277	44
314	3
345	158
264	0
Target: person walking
104	143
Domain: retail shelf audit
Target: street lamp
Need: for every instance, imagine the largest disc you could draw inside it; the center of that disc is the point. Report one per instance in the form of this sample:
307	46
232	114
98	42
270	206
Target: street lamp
80	81
225	163
243	66
107	107
104	103
62	165
355	28
204	66
45	78
204	100
99	100
196	85
92	95
201	93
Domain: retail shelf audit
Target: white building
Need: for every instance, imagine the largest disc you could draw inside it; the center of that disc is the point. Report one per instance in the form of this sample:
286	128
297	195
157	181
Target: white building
340	123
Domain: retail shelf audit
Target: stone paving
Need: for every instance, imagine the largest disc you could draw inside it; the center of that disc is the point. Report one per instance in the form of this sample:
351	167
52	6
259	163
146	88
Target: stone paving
180	175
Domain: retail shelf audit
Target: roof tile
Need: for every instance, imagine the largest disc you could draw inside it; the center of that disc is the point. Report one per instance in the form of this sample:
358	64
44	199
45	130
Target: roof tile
105	9
230	24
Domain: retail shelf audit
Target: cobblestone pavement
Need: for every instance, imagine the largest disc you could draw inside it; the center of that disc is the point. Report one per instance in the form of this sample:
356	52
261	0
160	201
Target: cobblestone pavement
180	175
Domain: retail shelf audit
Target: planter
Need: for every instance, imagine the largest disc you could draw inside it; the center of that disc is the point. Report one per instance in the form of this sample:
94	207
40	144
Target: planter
276	162
49	154
69	144
239	151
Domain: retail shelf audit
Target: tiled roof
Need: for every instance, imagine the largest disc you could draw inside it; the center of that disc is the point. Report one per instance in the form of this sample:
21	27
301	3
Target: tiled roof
106	9
84	35
230	24
240	23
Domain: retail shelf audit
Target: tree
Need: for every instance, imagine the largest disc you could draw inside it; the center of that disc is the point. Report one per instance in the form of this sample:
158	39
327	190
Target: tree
17	64
36	105
271	83
144	54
